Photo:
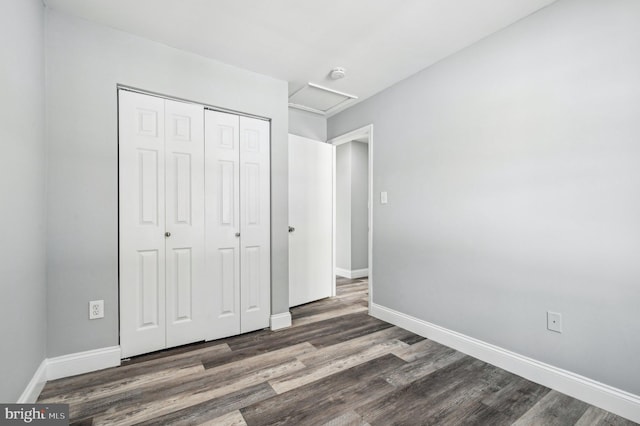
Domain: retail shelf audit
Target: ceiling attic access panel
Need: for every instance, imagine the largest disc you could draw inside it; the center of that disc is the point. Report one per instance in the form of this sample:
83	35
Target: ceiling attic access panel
319	99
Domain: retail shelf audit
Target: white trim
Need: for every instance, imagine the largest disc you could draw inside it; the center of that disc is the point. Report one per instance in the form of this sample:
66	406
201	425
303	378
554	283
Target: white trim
595	393
69	365
353	274
333	222
37	382
306	108
189	101
280	321
365	131
343	273
82	362
326	89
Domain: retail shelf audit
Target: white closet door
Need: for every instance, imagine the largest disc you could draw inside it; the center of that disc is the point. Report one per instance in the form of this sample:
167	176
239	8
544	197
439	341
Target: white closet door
142	223
311	214
185	256
222	199
255	265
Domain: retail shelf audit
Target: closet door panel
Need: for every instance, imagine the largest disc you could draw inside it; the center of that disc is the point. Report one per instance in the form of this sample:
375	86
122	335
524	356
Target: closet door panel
255	265
185	227
222	223
141	179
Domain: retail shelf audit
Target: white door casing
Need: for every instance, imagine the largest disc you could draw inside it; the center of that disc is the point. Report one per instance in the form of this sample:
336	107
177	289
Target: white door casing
222	158
255	220
311	214
142	223
185	252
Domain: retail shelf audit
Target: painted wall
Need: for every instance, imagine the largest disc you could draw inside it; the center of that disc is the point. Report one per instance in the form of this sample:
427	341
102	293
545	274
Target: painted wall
352	165
359	209
343	206
84	63
22	166
307	124
513	181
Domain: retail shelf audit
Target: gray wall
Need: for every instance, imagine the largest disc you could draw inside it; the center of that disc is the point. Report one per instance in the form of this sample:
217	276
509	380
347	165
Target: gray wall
22	164
359	210
343	206
307	124
513	180
352	165
84	63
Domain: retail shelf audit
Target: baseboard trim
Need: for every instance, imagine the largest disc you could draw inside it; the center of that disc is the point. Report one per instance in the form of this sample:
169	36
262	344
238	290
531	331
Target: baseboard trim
35	385
353	274
82	362
617	401
280	321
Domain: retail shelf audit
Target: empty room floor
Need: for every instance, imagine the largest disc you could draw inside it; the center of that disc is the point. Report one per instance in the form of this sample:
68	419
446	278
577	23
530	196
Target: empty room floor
335	366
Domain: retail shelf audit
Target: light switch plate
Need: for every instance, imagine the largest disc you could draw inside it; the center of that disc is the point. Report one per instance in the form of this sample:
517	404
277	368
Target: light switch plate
383	197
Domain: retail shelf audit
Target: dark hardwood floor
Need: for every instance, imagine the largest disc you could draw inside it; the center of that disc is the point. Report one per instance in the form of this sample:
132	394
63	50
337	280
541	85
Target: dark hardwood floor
335	366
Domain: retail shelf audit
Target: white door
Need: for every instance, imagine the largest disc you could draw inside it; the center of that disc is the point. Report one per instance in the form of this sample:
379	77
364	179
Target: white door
238	226
161	187
184	173
222	158
142	223
311	214
255	224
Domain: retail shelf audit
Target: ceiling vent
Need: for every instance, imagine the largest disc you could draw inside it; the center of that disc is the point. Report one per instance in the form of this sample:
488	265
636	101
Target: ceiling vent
318	99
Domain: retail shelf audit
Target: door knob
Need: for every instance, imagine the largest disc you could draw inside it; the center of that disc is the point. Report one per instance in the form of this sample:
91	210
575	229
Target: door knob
167	234
292	229
237	234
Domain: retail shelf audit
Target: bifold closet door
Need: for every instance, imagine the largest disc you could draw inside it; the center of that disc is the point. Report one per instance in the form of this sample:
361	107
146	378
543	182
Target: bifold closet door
238	226
222	158
141	180
161	217
186	309
255	224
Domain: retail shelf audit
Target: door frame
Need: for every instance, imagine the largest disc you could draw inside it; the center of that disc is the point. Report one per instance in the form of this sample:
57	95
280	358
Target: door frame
365	132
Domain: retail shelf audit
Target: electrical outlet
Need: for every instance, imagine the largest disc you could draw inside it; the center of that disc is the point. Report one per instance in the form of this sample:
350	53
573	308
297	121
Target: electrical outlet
554	322
96	309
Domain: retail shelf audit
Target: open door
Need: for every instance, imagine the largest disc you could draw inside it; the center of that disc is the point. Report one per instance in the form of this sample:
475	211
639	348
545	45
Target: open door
311	274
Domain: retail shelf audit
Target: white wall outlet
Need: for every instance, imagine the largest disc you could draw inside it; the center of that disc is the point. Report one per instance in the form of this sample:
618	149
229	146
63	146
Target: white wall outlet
383	197
96	309
554	321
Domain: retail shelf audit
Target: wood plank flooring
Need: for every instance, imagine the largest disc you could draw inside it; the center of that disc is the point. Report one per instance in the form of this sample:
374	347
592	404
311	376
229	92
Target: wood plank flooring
335	366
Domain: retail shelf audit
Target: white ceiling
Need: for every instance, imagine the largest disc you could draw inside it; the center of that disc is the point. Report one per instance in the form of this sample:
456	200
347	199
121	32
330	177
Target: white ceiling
379	42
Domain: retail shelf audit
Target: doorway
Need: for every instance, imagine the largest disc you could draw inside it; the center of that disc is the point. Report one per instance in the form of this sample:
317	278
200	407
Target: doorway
352	206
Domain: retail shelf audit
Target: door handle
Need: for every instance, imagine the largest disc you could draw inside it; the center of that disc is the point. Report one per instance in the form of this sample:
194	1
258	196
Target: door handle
292	229
167	234
237	234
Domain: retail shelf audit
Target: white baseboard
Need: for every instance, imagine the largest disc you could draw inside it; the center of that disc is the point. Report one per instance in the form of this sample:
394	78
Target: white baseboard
279	321
353	274
595	393
82	362
33	389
